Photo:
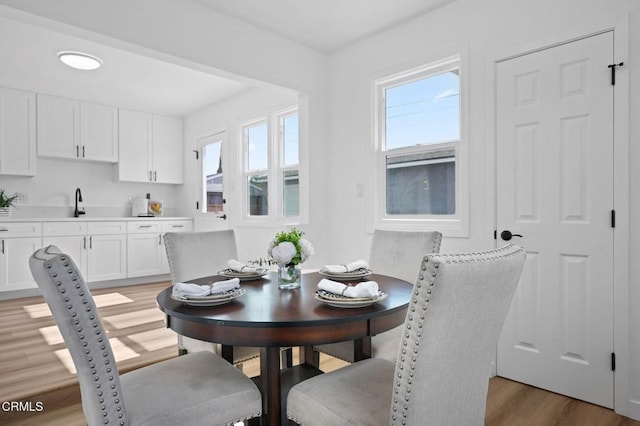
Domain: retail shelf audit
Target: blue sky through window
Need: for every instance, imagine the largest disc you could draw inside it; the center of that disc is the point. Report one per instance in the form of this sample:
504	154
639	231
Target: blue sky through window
212	158
258	149
423	111
290	140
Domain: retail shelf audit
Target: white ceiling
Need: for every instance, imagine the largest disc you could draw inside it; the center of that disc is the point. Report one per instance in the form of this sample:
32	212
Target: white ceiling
325	25
130	80
30	62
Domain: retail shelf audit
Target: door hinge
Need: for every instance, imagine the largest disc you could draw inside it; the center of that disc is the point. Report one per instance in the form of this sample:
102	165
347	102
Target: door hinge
613	218
613	361
613	72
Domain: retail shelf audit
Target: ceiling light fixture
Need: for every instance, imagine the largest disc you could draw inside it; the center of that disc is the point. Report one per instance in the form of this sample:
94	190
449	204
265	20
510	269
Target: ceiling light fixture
79	60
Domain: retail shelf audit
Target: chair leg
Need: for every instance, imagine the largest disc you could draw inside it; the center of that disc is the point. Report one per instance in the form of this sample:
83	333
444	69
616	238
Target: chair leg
309	356
286	358
253	422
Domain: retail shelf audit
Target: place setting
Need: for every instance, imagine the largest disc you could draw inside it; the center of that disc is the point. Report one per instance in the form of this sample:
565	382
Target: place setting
239	270
347	272
348	295
211	294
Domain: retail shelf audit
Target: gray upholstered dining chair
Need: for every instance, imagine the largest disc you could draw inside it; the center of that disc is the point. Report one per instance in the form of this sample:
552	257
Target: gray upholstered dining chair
393	253
194	389
199	254
441	374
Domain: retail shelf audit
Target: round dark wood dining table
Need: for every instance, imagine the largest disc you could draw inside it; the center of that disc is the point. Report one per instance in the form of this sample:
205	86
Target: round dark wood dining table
273	318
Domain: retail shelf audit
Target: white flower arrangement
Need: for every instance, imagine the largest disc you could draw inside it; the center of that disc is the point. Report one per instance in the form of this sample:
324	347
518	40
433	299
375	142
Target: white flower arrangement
289	248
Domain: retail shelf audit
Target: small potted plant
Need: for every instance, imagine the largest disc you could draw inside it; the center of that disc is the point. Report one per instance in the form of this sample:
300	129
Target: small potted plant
6	202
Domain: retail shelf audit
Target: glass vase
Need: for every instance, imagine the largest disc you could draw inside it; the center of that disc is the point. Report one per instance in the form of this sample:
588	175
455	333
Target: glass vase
289	276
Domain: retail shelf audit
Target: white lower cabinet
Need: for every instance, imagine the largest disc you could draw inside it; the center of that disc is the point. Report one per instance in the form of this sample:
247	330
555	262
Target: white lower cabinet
99	249
107	257
172	226
73	245
145	255
102	250
145	246
18	241
14	263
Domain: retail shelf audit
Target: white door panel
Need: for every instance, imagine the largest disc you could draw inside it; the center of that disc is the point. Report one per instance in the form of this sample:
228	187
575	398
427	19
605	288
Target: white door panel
555	188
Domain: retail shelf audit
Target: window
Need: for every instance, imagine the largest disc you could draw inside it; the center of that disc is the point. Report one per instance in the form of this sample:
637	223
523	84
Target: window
271	147
256	139
212	156
210	173
418	145
289	141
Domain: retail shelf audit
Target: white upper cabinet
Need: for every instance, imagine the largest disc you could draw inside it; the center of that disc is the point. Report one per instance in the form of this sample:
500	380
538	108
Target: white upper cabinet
99	132
17	132
72	129
167	149
135	146
150	148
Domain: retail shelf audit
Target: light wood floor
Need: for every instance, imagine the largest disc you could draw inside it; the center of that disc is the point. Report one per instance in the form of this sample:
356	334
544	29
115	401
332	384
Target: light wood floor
32	365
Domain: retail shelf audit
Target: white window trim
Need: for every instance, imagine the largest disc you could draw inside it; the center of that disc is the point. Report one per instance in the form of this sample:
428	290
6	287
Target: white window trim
456	225
275	169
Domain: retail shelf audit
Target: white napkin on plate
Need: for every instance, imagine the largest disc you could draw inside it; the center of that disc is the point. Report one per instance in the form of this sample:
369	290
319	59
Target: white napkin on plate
363	289
196	290
240	267
349	267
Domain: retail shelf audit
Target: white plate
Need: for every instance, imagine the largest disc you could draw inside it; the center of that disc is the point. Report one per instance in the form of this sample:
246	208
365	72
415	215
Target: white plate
230	273
345	276
213	300
338	301
225	295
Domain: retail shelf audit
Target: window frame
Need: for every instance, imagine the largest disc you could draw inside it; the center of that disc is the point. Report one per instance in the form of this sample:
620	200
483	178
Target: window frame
275	169
456	224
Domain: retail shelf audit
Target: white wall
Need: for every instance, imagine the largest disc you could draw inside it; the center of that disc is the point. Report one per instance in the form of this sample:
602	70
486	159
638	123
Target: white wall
634	212
227	115
51	192
339	104
483	31
189	34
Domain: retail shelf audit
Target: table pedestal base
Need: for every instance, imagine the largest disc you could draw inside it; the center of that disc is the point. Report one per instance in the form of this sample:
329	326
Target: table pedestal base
274	408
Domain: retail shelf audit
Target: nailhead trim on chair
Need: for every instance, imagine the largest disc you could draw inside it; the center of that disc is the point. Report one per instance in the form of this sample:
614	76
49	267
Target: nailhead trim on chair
98	375
412	330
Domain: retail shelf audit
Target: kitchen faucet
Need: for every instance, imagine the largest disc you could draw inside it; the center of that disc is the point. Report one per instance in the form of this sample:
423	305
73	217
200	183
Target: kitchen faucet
77	212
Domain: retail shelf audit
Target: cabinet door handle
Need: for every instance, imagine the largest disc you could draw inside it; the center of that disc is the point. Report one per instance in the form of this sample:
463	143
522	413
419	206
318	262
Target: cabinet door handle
77	150
4	229
82	151
177	226
150	176
85	242
160	239
144	226
2	246
91	242
155	175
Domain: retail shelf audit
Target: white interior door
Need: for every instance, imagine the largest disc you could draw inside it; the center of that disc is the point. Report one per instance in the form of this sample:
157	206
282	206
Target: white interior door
555	188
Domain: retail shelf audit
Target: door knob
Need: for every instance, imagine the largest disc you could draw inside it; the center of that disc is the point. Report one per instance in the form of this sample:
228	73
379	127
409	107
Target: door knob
507	235
222	216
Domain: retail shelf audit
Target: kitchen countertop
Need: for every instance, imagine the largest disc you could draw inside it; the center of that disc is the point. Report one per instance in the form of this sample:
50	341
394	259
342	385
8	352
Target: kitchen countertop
90	219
